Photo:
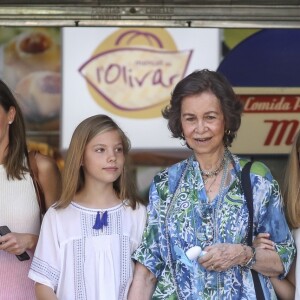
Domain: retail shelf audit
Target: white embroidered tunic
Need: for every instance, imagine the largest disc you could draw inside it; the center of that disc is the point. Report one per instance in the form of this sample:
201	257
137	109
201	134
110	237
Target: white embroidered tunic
19	211
82	263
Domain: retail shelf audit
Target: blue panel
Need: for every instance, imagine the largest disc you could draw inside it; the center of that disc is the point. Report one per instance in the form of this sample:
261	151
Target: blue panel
268	58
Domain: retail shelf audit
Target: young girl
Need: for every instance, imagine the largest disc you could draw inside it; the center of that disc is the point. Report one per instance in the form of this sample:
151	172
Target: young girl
87	238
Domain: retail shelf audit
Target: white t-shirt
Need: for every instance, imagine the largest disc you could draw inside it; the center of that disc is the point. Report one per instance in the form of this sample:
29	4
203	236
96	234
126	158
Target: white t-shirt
79	262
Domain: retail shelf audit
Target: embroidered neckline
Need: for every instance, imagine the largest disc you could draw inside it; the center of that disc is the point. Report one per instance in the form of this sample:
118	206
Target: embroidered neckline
95	210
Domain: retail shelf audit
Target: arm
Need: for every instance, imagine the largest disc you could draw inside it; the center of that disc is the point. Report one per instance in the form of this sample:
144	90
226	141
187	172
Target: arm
45	268
269	218
285	288
143	284
291	276
17	243
44	292
268	263
265	252
221	257
49	178
148	256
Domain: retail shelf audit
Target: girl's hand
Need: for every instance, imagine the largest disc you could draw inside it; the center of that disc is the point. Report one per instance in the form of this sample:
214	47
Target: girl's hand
262	241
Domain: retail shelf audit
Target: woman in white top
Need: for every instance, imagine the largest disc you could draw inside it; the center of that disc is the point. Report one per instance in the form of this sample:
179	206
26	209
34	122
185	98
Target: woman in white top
87	238
289	288
19	209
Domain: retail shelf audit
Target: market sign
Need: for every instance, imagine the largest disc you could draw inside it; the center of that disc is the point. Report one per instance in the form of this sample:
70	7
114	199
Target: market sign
129	74
270	121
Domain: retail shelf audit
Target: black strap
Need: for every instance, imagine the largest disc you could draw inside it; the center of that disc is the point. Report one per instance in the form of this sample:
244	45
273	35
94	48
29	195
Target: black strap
34	173
246	184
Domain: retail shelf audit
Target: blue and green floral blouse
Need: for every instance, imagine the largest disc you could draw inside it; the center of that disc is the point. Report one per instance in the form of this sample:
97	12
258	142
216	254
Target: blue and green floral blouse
180	216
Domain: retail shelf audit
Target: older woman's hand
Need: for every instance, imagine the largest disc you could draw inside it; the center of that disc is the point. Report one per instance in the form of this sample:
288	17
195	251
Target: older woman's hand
221	257
262	241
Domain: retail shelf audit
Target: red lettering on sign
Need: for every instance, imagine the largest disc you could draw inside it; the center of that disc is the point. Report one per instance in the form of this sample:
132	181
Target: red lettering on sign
271	103
279	129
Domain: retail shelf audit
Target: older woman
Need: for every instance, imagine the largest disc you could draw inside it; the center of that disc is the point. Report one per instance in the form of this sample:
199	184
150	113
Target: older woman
199	201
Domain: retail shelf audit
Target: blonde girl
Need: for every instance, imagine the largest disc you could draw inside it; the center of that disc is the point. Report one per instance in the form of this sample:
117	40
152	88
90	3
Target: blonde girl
87	238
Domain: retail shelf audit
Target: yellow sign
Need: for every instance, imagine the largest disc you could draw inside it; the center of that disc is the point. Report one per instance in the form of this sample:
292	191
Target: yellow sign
133	71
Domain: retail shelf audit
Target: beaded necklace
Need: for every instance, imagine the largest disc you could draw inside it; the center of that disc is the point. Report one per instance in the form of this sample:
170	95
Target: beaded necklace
215	172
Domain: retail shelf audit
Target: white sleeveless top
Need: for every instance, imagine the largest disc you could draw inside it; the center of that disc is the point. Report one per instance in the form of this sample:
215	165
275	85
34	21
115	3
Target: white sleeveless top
19	211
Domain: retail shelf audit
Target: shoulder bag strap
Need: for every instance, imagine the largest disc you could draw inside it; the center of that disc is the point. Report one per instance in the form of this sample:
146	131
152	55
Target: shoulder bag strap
34	173
247	189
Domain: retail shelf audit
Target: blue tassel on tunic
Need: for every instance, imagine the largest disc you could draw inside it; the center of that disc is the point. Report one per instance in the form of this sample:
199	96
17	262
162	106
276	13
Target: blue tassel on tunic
100	222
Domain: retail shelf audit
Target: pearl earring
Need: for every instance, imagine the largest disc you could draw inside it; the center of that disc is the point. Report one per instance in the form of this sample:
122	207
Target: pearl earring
9	122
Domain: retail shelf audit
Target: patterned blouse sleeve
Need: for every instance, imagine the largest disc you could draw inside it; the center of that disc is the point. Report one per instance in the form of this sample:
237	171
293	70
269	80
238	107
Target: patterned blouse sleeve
148	253
45	264
268	207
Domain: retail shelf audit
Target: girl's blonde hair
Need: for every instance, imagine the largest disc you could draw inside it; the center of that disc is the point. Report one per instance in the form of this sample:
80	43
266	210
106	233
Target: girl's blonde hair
73	176
291	186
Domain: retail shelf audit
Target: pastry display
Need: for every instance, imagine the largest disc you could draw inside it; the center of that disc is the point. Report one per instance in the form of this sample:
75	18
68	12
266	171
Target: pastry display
34	50
31	67
39	96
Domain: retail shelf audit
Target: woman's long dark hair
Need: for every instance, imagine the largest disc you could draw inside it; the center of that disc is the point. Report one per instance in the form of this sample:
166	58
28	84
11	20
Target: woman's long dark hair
17	147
